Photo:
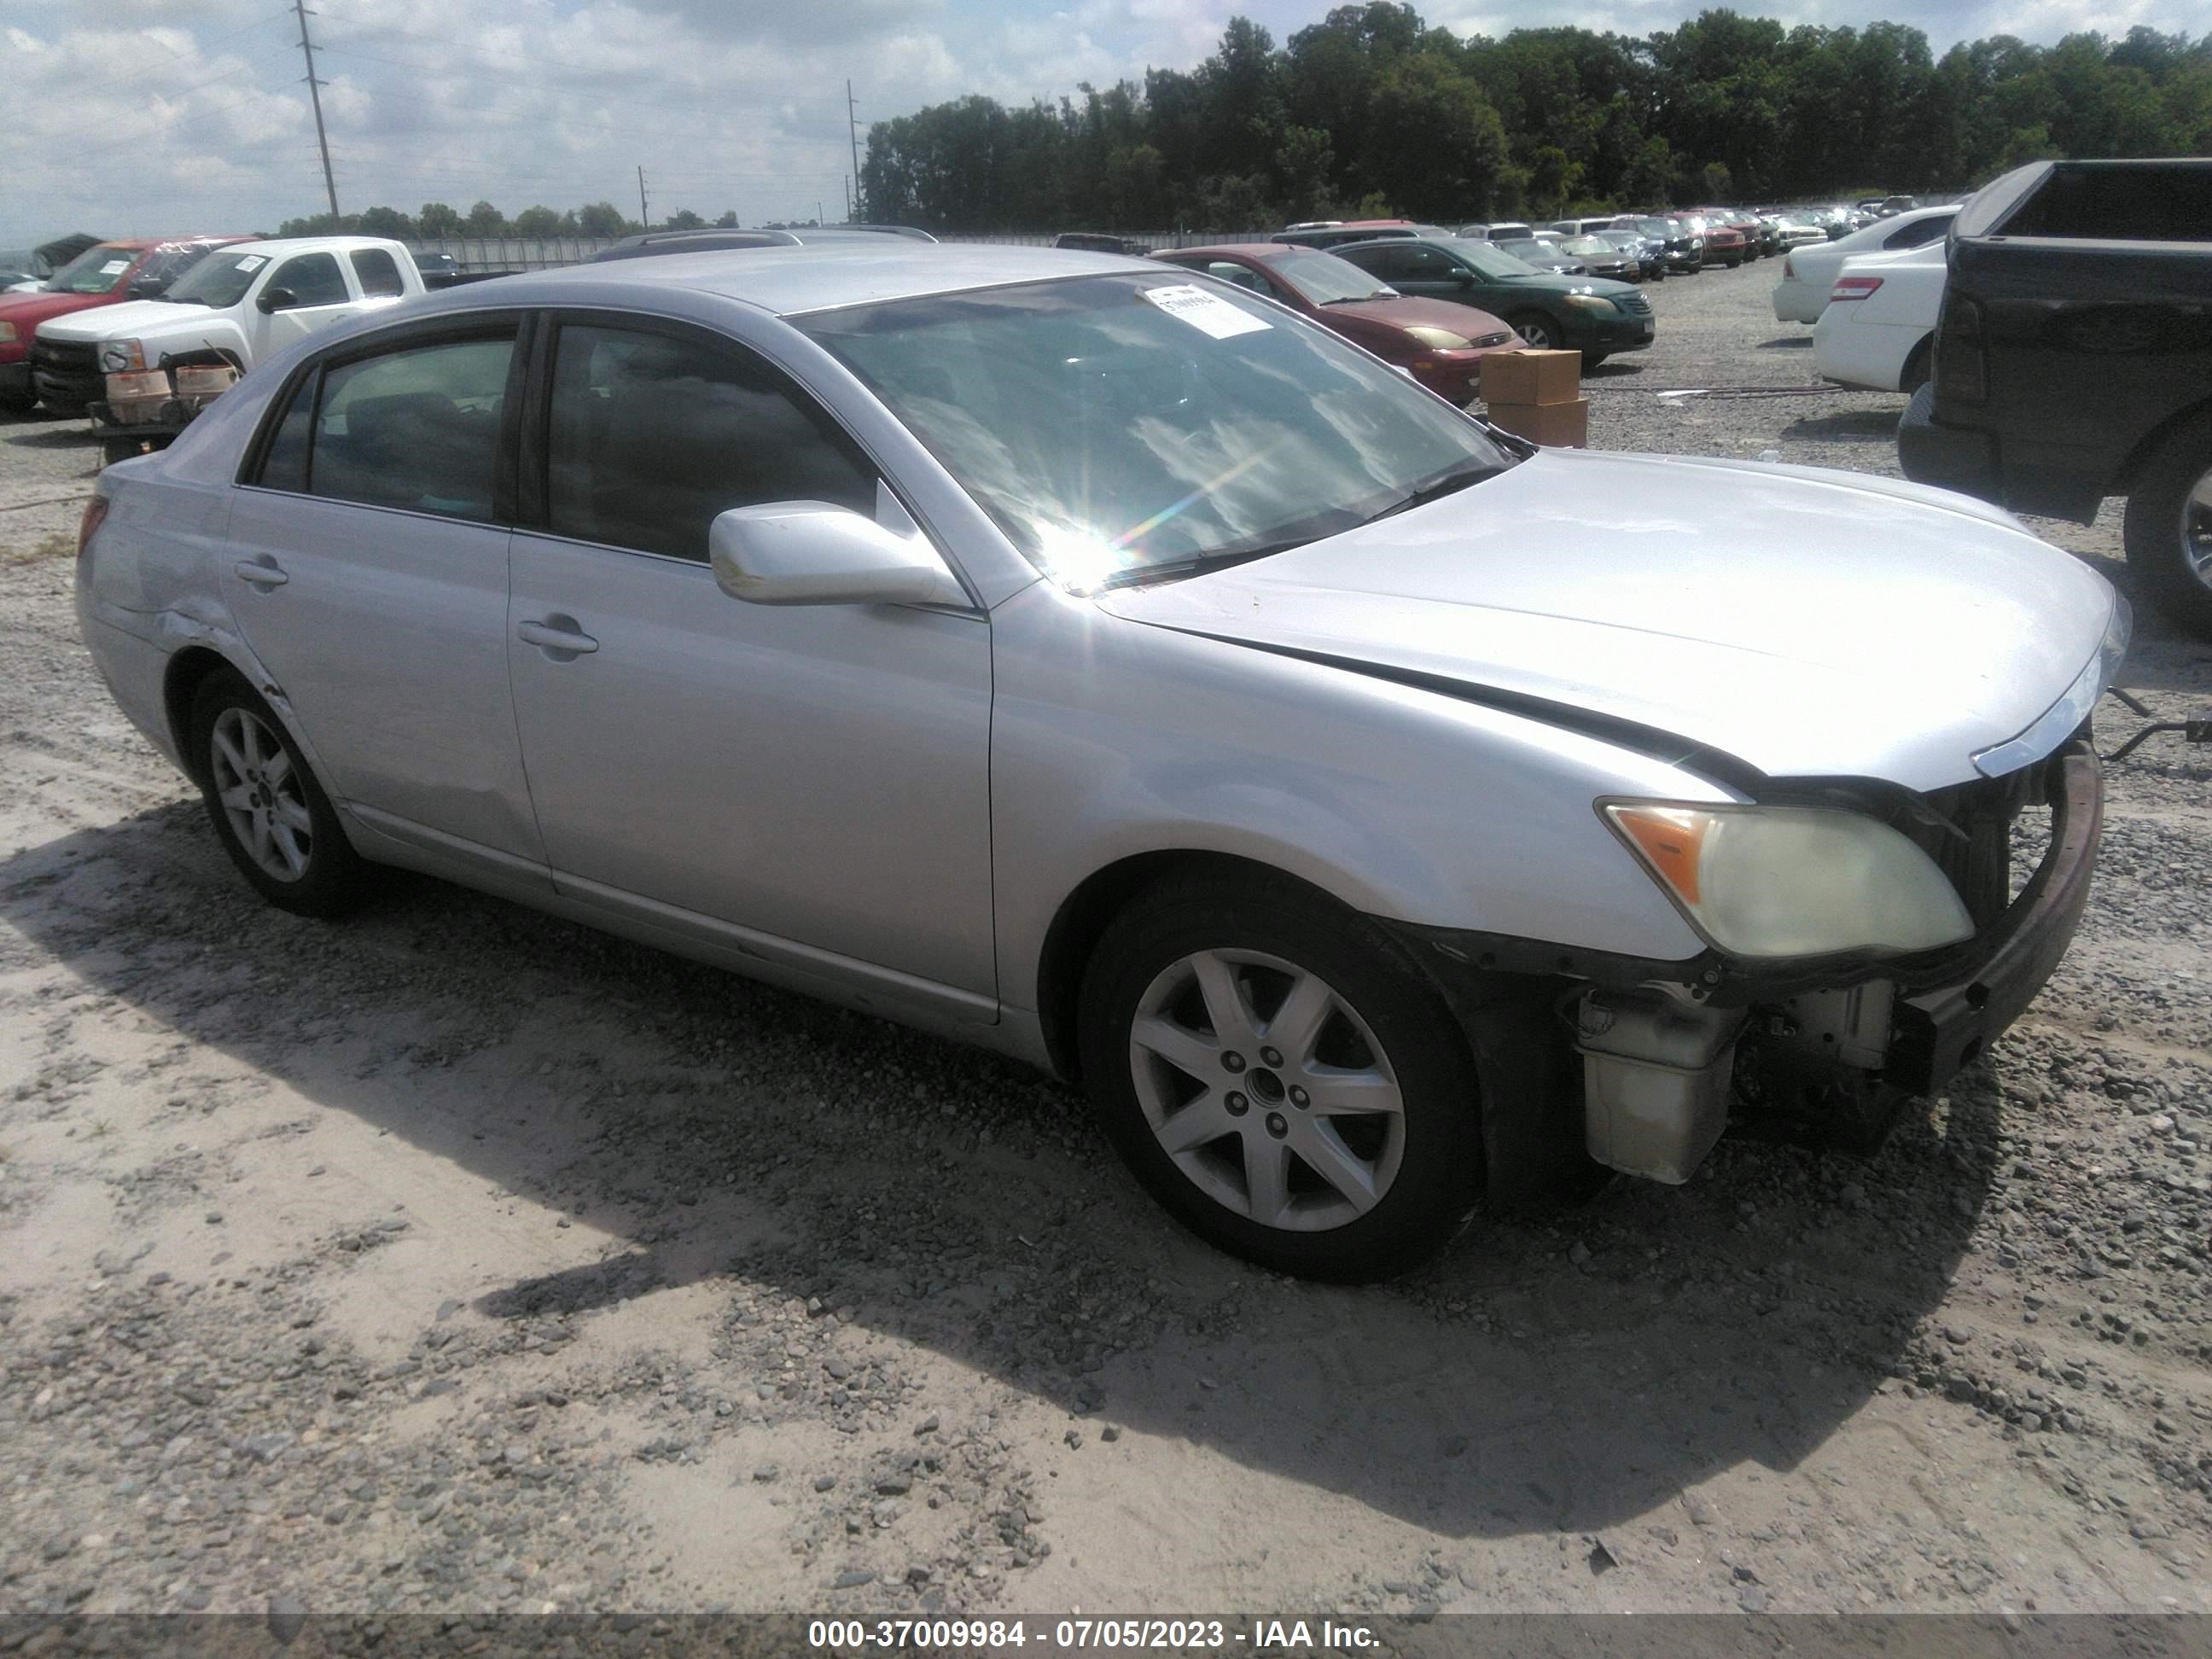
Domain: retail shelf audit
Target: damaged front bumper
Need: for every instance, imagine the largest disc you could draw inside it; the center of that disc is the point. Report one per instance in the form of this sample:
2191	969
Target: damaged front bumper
1667	1048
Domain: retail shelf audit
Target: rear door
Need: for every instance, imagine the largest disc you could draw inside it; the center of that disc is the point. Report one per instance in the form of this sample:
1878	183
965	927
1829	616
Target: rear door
810	782
367	571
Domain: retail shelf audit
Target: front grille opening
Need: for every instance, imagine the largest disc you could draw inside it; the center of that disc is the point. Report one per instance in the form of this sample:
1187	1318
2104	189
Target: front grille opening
2031	843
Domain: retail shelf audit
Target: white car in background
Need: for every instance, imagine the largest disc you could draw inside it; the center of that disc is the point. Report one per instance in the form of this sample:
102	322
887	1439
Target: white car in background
1878	333
1809	273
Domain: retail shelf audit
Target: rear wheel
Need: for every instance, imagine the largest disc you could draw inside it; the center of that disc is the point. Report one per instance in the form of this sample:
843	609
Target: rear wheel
270	813
2169	527
1281	1078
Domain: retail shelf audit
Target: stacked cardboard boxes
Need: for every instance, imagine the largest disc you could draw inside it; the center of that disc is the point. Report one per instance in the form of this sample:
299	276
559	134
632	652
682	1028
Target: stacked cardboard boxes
1538	396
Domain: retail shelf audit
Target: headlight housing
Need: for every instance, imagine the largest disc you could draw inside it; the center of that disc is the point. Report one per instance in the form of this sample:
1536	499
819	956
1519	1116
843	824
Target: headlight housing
1439	339
1591	302
122	356
7	333
1792	881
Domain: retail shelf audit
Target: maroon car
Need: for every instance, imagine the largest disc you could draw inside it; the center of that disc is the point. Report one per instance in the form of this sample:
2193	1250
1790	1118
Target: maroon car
107	275
1442	344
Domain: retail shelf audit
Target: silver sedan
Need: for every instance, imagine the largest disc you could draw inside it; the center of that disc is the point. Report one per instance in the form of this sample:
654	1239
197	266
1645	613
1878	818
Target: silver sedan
1098	663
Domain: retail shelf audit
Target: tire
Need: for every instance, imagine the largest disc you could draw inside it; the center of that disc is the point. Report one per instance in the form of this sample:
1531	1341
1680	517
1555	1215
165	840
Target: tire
261	793
2168	530
1591	360
113	450
1541	333
1233	1138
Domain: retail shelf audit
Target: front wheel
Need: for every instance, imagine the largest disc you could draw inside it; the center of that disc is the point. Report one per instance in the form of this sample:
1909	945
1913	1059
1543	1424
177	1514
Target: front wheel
2169	527
1540	331
1281	1078
270	813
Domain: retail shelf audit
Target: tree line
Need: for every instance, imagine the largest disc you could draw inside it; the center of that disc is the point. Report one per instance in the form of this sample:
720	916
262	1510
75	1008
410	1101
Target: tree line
441	220
1370	112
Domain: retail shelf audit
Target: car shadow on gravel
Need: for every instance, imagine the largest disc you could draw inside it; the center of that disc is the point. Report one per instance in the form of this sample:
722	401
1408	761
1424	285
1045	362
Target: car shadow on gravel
1570	1370
1787	342
1851	426
33	434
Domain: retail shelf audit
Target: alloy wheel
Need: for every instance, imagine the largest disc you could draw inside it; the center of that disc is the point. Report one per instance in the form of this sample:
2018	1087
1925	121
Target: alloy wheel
259	791
2196	529
1268	1089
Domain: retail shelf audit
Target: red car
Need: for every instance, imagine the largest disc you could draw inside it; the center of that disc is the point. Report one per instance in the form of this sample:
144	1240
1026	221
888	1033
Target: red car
1443	344
1725	244
105	274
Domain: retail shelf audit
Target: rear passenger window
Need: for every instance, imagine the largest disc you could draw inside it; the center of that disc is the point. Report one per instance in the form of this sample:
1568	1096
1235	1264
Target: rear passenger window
650	437
380	275
417	428
284	466
1919	232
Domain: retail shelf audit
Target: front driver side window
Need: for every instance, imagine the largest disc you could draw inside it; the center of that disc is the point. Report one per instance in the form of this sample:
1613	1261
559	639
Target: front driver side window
313	279
650	437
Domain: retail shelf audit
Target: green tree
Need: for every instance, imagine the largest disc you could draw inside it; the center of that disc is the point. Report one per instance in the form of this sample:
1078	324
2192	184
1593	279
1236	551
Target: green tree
601	219
538	221
437	220
485	219
386	222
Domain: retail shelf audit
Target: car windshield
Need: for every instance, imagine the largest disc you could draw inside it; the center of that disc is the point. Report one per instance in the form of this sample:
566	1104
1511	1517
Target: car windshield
1623	240
96	270
1323	279
1586	247
220	280
1533	252
1131	428
1487	259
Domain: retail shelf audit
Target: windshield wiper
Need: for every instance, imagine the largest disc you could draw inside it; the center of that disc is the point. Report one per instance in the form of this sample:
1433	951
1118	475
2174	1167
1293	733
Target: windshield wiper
1144	575
1449	483
1361	299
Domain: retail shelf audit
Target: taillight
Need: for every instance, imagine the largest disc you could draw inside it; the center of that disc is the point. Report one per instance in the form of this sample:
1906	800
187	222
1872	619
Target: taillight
1962	367
95	512
1788	270
1853	287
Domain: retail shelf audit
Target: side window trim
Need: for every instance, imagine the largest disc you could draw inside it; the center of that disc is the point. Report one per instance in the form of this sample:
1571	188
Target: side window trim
256	459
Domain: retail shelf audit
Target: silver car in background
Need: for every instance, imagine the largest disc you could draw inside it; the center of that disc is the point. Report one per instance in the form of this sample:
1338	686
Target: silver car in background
1100	663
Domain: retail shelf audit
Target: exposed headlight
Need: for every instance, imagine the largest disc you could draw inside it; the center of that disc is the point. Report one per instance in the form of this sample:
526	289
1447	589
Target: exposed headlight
1793	881
122	356
7	332
1442	339
1591	302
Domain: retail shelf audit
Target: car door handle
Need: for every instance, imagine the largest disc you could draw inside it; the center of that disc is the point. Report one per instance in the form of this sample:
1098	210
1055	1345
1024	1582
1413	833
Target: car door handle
262	572
556	634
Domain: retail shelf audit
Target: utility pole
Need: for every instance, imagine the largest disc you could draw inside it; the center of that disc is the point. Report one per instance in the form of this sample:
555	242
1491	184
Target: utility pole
315	93
853	135
847	184
643	217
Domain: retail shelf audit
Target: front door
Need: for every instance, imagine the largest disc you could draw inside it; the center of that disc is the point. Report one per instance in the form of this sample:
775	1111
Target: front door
817	775
318	297
367	570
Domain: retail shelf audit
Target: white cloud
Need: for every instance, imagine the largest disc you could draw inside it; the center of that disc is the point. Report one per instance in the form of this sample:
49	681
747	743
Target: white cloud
153	115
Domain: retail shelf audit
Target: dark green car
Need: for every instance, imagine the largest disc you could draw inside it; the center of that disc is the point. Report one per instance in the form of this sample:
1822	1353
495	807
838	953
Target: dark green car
1589	314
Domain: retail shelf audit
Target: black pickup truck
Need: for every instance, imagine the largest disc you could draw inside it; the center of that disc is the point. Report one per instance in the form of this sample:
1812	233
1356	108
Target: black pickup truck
2074	360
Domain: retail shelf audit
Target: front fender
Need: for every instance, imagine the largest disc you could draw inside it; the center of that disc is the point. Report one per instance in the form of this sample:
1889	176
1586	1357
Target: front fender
1112	739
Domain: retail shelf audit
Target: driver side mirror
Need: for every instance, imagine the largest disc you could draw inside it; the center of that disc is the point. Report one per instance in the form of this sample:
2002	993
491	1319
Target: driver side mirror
277	298
1462	277
813	553
147	287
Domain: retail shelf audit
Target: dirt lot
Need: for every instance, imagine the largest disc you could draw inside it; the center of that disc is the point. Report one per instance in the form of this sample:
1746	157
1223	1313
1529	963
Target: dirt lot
456	1259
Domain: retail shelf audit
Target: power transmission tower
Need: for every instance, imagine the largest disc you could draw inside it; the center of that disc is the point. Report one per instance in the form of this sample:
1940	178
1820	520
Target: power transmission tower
853	134
315	93
643	217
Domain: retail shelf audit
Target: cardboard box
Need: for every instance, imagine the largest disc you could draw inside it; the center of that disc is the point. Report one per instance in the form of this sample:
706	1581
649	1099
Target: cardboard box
1532	377
1561	426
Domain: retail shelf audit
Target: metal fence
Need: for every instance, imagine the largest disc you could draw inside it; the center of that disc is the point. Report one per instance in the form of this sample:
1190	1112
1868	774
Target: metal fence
512	252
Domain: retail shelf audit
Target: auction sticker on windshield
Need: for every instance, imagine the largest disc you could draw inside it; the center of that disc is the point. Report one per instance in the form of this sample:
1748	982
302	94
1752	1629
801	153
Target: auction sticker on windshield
252	261
1204	310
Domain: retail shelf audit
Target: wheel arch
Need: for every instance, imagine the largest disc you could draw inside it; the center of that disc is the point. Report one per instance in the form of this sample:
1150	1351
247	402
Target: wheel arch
1084	914
188	670
2139	457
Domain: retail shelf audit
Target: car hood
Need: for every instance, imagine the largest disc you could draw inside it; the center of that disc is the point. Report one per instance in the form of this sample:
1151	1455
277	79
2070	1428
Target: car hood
1407	311
133	319
23	309
1837	626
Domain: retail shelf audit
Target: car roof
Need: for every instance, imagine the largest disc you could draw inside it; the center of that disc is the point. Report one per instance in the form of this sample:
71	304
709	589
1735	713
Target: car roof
655	243
791	280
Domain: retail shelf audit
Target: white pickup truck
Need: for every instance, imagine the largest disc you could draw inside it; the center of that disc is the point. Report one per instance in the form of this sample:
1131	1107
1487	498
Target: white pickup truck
147	367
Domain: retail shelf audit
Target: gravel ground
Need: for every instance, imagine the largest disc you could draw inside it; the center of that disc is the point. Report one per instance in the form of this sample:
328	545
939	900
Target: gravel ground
458	1260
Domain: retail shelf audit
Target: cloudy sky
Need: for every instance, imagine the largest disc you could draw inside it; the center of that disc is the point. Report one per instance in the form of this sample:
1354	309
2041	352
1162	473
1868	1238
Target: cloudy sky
148	116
